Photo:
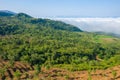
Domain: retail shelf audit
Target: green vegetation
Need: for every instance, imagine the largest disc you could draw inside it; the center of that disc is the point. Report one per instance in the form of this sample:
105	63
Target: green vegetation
17	74
54	43
114	73
2	71
38	69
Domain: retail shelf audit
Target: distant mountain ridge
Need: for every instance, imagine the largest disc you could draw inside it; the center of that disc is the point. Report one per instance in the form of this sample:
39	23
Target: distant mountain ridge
6	13
23	15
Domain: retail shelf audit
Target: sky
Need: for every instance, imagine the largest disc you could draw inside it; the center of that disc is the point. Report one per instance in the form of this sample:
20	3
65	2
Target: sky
64	8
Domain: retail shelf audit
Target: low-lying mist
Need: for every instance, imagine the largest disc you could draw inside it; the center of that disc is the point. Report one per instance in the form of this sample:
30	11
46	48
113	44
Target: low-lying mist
109	25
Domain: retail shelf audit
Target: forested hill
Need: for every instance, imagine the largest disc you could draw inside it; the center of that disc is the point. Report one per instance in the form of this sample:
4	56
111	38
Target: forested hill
21	22
53	43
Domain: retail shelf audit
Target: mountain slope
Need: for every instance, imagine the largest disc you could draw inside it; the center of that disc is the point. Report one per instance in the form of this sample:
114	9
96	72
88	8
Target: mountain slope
46	43
19	22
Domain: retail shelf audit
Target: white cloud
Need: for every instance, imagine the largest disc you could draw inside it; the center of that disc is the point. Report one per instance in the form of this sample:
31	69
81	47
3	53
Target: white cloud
95	24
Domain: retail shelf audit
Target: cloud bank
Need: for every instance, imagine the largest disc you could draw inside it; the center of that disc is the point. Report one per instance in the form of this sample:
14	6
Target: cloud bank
110	25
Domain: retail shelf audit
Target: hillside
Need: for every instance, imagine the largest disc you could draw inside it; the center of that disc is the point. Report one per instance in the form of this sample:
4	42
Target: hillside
22	22
44	43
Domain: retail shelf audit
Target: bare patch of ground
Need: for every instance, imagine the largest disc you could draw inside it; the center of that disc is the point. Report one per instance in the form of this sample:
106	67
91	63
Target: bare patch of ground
28	72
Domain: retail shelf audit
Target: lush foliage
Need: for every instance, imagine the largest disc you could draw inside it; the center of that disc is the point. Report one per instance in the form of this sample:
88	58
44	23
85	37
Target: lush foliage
54	43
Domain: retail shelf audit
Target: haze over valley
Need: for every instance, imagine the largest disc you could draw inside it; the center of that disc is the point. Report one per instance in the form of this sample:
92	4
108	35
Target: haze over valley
108	25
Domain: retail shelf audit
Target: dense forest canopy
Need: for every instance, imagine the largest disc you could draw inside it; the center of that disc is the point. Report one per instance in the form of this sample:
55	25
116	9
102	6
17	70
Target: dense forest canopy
54	43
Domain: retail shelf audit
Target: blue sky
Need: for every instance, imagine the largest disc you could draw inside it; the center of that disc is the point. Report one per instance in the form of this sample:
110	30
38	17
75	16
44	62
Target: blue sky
81	8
